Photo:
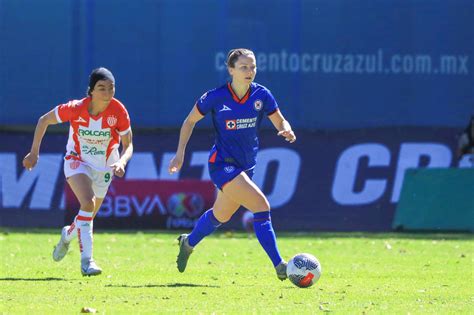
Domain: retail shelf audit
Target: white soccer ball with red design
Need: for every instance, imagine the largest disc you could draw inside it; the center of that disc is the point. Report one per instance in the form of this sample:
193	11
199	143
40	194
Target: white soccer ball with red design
303	270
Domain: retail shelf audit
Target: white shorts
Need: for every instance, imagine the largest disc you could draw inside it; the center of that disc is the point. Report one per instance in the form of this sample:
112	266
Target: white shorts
100	180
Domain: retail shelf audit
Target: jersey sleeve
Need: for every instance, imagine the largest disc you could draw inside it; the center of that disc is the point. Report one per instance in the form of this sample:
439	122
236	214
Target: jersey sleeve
270	105
65	112
123	124
205	104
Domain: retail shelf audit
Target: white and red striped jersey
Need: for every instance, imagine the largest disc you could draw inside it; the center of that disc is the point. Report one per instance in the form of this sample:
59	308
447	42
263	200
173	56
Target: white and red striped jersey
94	139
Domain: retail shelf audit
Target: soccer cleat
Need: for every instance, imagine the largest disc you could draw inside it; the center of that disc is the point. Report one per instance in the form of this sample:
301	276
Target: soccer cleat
60	250
281	270
185	250
89	268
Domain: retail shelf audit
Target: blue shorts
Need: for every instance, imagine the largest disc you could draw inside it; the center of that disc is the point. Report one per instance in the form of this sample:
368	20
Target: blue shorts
221	173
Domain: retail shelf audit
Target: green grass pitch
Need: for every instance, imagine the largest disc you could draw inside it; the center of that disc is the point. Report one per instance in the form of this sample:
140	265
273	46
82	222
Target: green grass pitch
230	274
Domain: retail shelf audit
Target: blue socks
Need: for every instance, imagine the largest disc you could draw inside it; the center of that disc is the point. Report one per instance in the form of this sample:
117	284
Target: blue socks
266	236
262	224
206	224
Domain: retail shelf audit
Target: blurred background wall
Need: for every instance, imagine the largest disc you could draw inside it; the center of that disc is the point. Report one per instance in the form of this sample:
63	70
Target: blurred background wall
331	64
341	71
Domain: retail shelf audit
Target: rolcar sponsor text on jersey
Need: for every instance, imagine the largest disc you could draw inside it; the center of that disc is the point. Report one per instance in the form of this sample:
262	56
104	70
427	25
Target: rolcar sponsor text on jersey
94	133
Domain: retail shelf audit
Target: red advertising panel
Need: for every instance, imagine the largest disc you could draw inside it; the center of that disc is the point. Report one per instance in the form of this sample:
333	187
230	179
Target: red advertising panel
170	204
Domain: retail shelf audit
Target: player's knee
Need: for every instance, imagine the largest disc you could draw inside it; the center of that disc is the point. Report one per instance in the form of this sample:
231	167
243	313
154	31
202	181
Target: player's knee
262	206
88	204
222	217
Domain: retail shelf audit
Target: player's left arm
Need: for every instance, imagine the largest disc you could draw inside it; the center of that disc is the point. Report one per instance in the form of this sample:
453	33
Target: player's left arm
283	126
127	150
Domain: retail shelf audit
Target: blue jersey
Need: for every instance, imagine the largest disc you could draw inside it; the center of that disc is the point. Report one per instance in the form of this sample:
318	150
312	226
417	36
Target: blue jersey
236	122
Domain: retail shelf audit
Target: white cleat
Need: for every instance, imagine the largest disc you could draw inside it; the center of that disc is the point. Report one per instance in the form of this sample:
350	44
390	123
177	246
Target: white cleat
60	250
89	268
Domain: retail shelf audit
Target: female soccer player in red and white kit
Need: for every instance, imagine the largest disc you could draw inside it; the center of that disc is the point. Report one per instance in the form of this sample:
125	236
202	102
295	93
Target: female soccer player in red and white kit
98	124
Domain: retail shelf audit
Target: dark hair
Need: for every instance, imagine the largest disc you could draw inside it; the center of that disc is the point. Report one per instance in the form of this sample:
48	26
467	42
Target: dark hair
234	54
97	75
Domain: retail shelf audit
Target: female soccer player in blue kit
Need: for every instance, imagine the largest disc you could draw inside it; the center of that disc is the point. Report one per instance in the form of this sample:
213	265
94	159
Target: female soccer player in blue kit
237	109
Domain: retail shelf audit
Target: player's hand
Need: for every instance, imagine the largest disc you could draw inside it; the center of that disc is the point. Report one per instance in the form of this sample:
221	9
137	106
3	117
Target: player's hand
30	160
175	164
118	168
288	134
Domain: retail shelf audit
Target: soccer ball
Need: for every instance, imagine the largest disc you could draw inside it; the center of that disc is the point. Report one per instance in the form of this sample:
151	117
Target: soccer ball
303	270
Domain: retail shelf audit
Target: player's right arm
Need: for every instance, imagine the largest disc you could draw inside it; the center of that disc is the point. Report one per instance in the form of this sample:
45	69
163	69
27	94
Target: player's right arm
186	130
31	158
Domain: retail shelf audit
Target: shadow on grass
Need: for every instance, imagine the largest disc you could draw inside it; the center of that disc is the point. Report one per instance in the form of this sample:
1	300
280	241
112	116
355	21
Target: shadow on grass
168	285
33	279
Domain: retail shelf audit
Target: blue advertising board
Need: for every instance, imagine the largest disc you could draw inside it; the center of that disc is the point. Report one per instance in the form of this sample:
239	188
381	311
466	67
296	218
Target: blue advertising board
326	181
